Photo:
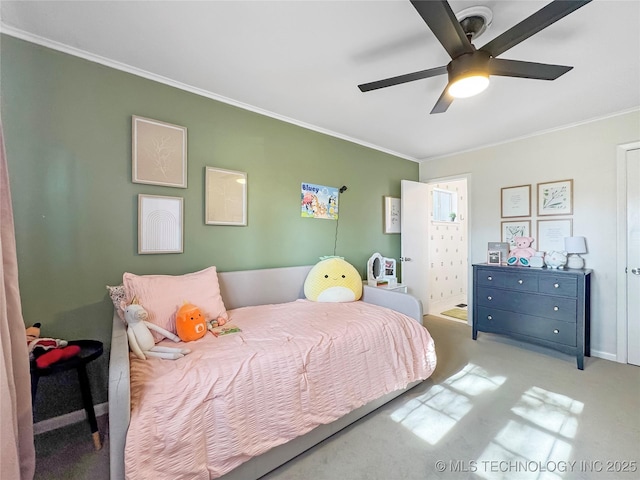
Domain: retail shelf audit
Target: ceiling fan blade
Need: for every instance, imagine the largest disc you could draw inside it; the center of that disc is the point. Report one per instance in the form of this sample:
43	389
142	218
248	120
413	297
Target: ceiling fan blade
540	20
443	23
409	77
517	68
443	102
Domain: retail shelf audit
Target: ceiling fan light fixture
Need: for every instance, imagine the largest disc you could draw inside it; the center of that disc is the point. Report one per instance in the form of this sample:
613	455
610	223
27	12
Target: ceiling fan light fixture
469	85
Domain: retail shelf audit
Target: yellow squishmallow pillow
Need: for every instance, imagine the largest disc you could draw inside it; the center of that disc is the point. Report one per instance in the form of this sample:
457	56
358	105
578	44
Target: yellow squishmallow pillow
333	279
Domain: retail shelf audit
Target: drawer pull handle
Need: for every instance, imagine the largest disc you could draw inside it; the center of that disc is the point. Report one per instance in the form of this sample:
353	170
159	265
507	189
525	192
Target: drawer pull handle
489	278
489	317
555	330
556	285
489	298
520	282
555	309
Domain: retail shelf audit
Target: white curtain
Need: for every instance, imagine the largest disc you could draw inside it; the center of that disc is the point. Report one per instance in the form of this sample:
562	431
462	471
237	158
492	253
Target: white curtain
17	452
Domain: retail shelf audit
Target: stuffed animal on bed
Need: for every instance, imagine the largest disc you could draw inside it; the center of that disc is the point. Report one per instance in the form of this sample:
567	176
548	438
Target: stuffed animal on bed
47	351
333	279
141	341
190	323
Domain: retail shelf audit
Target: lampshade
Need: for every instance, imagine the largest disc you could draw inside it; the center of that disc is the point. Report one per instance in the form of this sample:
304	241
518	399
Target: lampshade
575	245
468	86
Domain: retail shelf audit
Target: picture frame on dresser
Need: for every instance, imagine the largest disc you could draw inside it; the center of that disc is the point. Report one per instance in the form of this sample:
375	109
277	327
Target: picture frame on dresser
494	257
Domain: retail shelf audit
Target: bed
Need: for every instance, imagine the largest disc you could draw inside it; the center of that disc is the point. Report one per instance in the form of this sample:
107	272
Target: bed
239	406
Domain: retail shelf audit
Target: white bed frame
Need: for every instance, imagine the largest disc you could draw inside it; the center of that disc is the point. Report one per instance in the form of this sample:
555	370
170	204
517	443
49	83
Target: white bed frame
240	289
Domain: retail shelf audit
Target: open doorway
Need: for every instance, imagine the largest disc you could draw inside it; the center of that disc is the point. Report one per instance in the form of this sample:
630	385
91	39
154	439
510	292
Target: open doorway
448	249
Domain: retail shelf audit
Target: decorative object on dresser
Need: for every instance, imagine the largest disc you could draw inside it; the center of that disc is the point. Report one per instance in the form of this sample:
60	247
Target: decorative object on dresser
494	257
537	261
574	247
546	307
381	271
555	259
503	247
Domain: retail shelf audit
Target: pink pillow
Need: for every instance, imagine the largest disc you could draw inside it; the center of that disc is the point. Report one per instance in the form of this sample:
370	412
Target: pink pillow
163	295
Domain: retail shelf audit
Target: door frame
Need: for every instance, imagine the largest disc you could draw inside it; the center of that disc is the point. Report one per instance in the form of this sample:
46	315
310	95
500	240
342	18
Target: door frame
622	353
467	177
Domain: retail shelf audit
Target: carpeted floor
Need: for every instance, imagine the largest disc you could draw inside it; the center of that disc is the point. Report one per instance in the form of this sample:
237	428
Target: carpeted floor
458	313
493	409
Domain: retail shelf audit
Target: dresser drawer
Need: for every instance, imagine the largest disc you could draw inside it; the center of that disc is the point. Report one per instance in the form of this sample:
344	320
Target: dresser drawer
500	321
556	308
558	285
518	281
491	278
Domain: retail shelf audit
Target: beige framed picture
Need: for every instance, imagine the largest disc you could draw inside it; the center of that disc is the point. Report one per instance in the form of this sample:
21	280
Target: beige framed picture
160	224
515	201
513	229
555	198
225	197
551	234
159	153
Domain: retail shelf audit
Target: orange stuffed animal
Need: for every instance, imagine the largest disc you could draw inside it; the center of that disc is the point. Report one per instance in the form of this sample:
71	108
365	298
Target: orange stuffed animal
190	323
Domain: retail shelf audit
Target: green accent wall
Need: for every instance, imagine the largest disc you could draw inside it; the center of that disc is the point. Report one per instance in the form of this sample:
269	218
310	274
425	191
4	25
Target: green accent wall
67	126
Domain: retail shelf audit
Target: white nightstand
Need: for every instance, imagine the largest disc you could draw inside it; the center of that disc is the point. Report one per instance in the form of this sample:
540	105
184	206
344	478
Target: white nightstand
400	287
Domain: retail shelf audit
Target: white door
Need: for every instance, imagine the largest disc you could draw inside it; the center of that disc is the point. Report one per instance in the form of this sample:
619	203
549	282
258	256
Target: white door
633	256
414	247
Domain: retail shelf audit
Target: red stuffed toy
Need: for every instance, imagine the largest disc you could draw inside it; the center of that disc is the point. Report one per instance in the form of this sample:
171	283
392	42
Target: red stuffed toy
47	351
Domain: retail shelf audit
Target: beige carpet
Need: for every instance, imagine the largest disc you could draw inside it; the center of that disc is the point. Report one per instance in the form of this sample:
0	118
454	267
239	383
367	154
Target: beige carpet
458	313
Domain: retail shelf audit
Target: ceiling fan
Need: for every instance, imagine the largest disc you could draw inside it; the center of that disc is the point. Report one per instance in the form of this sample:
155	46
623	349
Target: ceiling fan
470	68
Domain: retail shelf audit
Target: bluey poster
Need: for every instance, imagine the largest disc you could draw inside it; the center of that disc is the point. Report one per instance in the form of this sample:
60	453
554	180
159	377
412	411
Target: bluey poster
319	201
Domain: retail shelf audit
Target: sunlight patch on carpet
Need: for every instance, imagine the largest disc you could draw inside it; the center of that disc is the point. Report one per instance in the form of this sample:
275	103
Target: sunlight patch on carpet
458	313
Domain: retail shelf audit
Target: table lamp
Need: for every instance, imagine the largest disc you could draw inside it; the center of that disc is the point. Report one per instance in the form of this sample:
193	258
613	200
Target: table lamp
574	247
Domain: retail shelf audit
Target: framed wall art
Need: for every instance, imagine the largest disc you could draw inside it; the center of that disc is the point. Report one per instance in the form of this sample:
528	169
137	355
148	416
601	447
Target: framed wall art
555	198
225	197
512	229
159	153
551	234
160	224
515	201
391	215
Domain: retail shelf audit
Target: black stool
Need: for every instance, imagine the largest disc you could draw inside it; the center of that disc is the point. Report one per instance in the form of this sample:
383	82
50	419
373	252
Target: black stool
89	351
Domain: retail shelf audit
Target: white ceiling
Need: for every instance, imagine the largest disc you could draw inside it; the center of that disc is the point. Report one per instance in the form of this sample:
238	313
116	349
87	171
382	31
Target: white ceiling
301	61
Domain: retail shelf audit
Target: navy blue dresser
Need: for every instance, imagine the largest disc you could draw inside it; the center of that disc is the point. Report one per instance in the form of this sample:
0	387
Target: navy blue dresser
548	307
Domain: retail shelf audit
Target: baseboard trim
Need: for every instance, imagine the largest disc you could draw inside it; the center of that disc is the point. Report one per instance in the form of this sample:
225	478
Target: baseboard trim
68	419
604	355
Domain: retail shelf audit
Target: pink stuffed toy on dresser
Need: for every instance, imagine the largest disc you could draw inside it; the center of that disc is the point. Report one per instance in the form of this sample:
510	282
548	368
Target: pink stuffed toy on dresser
522	252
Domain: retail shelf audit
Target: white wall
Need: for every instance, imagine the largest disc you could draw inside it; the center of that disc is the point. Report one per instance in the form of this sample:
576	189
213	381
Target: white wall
585	153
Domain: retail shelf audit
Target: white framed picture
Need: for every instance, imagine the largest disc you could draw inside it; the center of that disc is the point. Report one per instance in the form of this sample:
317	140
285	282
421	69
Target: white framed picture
391	215
160	224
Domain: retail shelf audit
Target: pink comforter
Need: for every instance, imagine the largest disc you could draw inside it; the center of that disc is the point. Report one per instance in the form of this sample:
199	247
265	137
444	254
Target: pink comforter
293	367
